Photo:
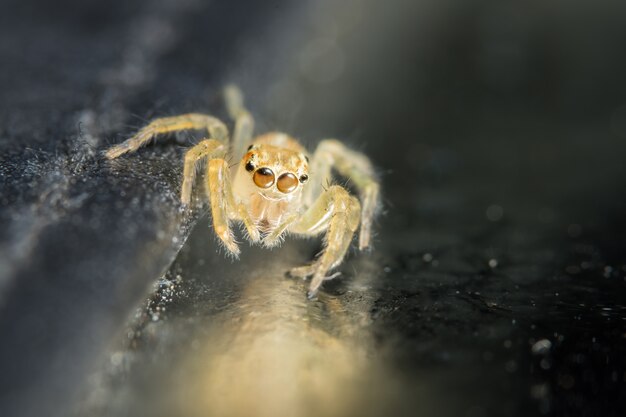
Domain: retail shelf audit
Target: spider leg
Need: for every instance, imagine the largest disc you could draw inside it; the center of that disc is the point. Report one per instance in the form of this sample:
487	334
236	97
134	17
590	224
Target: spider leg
214	127
244	122
206	149
218	187
353	165
337	213
223	207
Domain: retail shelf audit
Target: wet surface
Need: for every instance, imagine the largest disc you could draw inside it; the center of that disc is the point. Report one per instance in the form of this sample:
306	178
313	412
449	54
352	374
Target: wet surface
496	285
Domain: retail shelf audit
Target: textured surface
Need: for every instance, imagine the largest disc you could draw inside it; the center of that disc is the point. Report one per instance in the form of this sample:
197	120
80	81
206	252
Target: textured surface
496	286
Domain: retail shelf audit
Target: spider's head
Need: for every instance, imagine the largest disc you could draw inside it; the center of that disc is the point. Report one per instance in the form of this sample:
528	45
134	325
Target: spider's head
276	172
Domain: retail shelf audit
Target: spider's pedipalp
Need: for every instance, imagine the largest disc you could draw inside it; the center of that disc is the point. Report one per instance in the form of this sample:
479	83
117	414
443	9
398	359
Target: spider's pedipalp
276	236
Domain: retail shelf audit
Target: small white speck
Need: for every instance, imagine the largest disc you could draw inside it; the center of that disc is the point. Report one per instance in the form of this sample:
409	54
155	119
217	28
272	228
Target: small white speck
541	347
116	358
493	263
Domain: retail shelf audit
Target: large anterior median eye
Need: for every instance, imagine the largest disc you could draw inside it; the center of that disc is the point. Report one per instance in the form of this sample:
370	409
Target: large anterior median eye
263	177
287	182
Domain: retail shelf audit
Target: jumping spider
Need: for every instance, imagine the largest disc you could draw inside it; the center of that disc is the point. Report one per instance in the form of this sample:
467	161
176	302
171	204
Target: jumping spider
275	188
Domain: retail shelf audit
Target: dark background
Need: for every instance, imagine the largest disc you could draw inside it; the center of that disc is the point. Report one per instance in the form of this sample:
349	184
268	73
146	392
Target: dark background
496	283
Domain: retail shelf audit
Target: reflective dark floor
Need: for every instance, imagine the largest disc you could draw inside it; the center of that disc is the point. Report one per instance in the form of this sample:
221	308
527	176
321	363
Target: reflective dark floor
497	281
487	314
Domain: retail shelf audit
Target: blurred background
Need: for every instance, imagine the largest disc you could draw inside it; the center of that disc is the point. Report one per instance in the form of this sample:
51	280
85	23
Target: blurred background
496	285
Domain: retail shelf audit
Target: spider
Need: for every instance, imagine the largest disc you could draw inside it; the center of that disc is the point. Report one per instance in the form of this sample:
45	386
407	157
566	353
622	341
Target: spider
275	188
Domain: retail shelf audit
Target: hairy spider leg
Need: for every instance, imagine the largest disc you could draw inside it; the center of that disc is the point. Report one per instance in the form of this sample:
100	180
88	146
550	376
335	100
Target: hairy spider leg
355	166
207	149
337	213
244	122
223	208
218	188
196	121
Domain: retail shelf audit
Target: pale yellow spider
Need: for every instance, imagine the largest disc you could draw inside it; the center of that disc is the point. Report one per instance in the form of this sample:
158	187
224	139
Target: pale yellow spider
275	189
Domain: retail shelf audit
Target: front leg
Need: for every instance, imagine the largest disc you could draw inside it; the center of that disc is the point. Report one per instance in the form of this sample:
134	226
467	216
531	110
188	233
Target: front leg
207	149
337	213
223	207
217	187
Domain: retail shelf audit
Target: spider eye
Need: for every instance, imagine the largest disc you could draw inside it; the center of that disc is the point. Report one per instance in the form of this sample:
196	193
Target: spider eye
250	147
263	177
304	178
249	166
287	182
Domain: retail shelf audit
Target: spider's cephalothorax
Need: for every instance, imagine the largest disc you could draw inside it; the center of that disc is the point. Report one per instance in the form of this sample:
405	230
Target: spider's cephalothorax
270	179
275	188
